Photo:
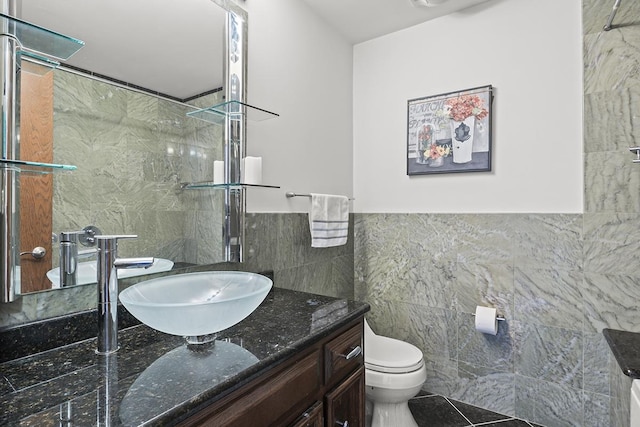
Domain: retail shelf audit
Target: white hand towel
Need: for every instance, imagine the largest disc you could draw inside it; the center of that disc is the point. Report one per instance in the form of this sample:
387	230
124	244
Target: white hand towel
328	220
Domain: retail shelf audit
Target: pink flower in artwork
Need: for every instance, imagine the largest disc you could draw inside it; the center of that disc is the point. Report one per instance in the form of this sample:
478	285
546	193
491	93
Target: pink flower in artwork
425	135
465	106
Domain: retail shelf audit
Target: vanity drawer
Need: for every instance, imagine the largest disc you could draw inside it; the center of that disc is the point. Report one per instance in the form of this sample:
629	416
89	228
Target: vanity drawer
343	354
275	401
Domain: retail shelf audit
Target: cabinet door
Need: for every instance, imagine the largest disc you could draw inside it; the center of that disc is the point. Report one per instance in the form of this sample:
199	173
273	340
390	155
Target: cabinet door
311	418
345	403
276	401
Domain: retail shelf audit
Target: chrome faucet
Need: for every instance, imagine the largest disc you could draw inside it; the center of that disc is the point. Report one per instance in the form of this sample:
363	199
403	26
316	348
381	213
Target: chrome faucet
108	263
69	254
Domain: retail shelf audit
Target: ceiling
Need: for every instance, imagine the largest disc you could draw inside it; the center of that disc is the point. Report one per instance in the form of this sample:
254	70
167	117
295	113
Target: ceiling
148	39
361	20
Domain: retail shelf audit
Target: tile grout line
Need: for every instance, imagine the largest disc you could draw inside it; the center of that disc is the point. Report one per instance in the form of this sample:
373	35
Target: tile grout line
490	423
14	390
471	424
460	412
423	397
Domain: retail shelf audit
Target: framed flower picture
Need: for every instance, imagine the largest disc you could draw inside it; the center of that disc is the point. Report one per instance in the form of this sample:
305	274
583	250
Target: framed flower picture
450	132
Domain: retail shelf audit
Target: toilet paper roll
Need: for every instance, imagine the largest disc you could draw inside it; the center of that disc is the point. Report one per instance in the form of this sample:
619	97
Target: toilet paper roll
486	320
218	172
252	170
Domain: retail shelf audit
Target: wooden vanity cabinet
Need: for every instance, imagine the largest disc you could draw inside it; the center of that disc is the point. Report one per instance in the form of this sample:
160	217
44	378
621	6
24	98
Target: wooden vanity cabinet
320	386
345	404
313	417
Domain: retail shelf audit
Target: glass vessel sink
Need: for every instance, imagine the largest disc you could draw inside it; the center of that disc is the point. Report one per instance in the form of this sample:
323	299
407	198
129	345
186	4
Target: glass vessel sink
196	305
88	271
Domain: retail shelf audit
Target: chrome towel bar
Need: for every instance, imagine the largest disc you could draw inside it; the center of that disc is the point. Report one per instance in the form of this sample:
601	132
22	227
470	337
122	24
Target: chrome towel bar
290	194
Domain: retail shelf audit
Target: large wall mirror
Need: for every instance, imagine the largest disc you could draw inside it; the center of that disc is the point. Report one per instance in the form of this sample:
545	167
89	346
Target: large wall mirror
118	112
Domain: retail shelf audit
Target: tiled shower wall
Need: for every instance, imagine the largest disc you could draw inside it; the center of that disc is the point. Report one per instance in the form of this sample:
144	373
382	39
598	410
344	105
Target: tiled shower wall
132	151
612	181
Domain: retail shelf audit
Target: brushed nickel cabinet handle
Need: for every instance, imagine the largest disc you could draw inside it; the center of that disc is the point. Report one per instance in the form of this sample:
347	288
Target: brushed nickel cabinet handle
355	352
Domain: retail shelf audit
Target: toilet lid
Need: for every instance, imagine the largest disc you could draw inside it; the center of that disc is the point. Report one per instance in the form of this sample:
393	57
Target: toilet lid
384	354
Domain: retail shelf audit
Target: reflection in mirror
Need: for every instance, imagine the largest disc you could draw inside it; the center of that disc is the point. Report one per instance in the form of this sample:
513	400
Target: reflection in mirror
149	43
132	148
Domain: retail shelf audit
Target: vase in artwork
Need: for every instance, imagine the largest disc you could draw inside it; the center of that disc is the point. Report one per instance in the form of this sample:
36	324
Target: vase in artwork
425	139
437	162
462	139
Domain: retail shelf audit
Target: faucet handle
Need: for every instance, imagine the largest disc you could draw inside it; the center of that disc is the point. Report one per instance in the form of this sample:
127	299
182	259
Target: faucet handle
115	236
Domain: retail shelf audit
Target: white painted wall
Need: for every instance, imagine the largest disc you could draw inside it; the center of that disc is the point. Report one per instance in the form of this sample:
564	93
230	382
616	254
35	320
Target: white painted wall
300	68
531	52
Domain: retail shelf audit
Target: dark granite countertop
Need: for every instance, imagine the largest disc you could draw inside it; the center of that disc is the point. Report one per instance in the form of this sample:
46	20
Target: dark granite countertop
154	379
625	346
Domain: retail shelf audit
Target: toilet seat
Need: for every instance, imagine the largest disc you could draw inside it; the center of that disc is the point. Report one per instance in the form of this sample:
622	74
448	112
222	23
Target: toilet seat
389	355
394	370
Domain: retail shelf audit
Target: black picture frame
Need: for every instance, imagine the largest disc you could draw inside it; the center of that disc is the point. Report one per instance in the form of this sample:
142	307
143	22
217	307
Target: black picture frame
450	132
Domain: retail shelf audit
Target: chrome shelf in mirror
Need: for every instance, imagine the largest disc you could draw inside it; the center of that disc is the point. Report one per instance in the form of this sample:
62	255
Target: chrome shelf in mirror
217	113
38	39
35	167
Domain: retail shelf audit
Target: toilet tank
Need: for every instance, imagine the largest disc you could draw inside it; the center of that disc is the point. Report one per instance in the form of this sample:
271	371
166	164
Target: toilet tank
635	403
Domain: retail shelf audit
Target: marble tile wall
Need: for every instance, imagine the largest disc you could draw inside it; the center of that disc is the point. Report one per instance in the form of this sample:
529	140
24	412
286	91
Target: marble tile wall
424	274
132	151
620	395
281	242
612	181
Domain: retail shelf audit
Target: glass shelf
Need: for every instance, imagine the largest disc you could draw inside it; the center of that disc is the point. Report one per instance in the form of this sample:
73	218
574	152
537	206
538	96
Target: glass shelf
217	113
39	39
209	184
35	167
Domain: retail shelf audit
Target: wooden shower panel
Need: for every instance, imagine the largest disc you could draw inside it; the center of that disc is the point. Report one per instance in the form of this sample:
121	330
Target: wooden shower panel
36	191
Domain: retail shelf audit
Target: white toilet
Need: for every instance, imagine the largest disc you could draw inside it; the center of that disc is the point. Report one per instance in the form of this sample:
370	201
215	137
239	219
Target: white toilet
394	373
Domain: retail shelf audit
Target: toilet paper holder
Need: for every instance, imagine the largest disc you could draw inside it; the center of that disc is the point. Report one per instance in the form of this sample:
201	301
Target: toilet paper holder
499	317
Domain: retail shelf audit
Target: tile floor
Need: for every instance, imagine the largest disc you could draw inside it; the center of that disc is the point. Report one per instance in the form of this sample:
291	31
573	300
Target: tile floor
430	410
